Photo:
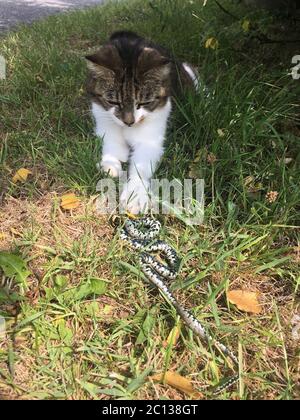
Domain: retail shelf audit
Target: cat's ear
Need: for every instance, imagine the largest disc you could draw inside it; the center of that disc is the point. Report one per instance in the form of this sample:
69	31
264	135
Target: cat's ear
106	59
152	60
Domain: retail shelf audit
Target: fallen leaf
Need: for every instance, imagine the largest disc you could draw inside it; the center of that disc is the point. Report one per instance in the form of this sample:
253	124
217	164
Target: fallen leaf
69	202
245	300
21	175
131	216
172	339
177	381
212	43
108	309
194	170
246	25
251	186
248	180
15	232
2	236
220	132
198	157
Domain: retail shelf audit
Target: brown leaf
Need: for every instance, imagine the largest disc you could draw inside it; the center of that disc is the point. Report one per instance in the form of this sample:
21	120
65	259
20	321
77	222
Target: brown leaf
179	382
245	300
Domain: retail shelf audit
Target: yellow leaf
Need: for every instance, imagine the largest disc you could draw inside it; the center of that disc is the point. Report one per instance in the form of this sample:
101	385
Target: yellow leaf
108	309
131	216
15	232
172	339
2	236
69	201
197	157
244	300
246	25
248	180
212	43
21	175
251	186
193	172
177	381
220	132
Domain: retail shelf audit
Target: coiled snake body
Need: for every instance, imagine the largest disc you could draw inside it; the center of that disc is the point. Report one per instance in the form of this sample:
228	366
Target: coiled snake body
141	235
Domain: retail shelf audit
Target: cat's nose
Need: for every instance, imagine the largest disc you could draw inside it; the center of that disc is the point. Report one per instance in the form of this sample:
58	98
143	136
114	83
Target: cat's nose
128	118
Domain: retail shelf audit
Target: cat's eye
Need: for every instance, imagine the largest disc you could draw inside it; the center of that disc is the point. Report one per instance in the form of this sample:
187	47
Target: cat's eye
144	103
113	103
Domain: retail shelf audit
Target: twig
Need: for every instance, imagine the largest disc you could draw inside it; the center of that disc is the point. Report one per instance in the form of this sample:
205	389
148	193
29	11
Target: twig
226	11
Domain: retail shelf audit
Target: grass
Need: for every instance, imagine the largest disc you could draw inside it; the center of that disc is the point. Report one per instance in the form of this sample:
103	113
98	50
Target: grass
87	325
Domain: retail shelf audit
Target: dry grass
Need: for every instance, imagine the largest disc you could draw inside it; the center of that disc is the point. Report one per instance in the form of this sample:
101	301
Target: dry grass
64	343
44	231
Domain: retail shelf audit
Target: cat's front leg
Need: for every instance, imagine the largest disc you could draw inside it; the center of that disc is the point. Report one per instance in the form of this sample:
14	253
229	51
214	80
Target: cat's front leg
114	148
136	195
114	151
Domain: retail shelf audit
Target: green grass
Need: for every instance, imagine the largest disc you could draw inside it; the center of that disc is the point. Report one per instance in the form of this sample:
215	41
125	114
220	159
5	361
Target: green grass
87	325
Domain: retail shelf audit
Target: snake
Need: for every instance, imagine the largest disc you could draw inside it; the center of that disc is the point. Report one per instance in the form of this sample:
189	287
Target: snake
141	235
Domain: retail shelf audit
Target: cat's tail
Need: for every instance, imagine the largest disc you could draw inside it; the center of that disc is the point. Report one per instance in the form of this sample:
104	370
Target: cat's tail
194	77
193	74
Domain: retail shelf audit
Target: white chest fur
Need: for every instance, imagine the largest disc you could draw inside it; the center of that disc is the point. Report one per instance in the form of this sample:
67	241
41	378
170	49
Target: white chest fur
145	141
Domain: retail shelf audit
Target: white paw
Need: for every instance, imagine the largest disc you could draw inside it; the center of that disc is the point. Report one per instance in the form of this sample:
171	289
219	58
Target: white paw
111	167
135	197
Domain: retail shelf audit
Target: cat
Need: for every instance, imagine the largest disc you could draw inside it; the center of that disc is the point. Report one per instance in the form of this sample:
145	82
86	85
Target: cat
131	83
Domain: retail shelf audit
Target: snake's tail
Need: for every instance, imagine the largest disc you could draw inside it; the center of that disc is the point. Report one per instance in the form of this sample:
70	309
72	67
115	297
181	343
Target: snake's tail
187	317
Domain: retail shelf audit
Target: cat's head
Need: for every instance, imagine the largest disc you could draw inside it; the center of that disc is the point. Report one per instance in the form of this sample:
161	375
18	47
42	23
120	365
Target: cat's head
131	84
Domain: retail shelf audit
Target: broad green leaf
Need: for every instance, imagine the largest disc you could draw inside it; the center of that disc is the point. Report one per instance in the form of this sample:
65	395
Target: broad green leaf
136	383
271	264
65	332
91	287
98	286
146	328
89	387
112	392
14	266
61	281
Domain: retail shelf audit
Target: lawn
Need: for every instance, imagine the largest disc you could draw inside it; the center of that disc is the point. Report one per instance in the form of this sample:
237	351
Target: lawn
84	324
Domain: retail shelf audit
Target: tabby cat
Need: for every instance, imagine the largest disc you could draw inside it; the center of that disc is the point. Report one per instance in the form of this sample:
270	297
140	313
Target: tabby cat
131	83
